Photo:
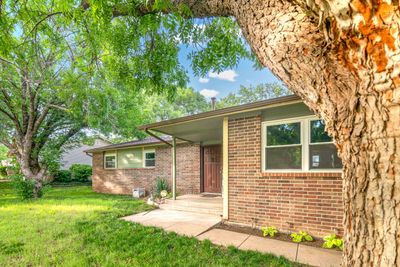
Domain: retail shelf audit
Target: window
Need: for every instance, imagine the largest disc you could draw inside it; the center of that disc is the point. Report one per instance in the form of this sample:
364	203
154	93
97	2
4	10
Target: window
323	154
130	158
298	145
110	161
283	149
149	158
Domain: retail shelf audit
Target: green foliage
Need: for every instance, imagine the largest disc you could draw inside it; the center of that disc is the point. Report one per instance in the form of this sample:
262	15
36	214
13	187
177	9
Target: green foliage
24	187
3	152
269	231
185	101
80	172
252	94
332	241
161	184
301	236
86	230
62	176
3	171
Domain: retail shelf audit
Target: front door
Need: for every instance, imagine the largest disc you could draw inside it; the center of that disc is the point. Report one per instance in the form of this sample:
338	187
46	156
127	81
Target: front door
212	169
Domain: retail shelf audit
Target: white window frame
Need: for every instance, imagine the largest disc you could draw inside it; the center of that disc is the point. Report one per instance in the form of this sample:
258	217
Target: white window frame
145	151
108	154
305	141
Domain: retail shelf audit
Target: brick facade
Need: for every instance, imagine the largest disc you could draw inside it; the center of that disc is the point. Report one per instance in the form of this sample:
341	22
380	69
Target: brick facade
290	201
122	181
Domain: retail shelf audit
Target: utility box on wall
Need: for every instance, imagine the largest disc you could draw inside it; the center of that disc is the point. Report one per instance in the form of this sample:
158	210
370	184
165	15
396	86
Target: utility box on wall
138	192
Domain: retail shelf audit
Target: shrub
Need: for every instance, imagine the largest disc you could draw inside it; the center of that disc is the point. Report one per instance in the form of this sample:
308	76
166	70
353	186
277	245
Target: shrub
269	231
301	236
24	187
62	176
161	184
332	241
3	171
80	172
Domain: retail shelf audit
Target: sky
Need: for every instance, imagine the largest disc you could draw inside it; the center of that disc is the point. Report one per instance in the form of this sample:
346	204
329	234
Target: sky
220	84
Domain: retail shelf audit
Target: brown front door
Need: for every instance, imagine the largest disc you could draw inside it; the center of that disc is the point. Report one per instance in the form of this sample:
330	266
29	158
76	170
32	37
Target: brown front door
212	169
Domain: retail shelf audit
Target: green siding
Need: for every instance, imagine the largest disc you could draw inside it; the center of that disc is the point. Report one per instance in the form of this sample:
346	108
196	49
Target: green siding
130	158
286	112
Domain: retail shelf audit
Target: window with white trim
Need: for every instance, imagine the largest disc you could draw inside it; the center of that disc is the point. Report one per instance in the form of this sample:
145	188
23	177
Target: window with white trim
149	158
322	151
298	145
110	160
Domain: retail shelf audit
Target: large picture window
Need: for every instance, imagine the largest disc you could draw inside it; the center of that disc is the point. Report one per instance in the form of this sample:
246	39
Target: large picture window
130	158
298	145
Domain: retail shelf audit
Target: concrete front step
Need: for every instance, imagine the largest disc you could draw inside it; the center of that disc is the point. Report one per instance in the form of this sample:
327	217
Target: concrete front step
195	203
195	209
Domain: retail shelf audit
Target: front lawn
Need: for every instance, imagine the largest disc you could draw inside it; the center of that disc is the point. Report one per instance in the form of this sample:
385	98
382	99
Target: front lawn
73	226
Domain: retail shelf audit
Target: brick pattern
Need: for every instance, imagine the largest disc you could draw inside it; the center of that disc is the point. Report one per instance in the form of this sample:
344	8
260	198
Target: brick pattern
122	181
290	201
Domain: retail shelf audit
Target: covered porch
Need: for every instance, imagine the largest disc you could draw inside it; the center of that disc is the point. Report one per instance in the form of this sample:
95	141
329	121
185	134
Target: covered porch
211	134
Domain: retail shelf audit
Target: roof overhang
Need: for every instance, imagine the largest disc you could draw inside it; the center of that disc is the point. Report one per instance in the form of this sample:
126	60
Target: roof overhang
207	126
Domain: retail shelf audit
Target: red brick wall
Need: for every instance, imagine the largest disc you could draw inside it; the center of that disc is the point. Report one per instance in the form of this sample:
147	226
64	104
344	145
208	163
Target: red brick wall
122	181
290	201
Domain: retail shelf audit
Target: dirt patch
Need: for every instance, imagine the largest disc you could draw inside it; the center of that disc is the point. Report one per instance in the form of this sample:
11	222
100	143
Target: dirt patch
257	232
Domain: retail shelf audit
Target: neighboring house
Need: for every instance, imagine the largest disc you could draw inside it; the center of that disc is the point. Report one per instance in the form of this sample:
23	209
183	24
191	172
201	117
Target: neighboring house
77	155
271	160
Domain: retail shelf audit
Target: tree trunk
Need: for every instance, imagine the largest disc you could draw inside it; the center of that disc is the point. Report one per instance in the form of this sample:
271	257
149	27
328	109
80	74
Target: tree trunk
343	60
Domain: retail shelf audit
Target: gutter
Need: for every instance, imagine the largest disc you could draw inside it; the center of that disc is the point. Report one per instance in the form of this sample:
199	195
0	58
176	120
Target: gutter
158	138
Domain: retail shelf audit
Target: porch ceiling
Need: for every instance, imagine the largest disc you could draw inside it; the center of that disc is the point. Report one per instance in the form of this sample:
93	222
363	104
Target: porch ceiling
207	130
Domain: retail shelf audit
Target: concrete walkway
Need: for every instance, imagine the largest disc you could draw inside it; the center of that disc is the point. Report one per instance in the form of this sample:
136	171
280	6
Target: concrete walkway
199	226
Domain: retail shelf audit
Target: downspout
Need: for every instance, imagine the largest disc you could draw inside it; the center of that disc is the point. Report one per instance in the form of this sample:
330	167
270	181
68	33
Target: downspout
174	168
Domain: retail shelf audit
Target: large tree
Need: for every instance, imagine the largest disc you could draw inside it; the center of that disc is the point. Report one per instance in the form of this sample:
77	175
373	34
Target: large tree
341	57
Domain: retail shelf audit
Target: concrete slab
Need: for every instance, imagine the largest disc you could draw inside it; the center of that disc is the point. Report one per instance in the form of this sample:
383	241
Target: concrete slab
181	222
188	229
266	245
319	256
224	237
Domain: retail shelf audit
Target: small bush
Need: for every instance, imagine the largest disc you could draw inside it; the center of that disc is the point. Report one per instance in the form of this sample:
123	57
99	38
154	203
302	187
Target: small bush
80	172
269	231
332	241
3	171
161	184
62	176
301	236
24	187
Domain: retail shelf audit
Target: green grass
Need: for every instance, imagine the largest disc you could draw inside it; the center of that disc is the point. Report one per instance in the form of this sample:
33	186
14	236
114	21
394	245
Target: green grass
73	226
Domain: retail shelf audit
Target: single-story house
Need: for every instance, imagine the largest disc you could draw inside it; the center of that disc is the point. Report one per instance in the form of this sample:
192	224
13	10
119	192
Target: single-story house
271	161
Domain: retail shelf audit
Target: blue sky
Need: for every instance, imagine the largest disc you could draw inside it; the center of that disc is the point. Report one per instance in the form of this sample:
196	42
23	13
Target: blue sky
221	84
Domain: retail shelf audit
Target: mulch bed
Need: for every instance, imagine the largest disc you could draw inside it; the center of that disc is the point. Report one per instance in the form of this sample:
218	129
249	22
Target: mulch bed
257	232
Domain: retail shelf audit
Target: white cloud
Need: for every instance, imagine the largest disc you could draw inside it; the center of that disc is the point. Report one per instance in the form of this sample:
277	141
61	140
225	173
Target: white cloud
228	75
209	92
204	80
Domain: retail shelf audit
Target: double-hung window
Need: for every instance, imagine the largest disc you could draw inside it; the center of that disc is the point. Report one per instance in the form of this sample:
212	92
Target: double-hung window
110	161
149	158
322	152
298	145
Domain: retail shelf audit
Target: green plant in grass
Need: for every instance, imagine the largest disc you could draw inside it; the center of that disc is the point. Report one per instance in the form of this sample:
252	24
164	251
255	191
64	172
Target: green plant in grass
269	231
332	241
24	187
301	236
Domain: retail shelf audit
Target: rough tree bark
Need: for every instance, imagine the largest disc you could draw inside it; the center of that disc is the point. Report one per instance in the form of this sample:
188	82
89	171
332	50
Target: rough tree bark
343	59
